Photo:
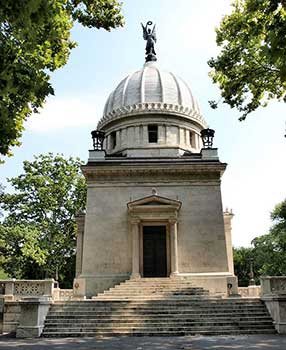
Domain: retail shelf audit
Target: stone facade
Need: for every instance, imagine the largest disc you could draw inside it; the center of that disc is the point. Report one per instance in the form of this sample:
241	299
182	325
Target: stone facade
109	251
153	172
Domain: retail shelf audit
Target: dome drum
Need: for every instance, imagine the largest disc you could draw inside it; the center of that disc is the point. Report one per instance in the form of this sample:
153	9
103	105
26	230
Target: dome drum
139	139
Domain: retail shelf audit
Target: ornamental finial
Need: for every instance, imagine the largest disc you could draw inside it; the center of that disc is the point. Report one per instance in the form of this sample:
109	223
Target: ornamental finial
150	36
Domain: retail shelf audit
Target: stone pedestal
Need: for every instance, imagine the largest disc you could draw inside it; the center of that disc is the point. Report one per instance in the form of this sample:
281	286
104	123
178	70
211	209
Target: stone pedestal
276	305
273	289
209	154
33	314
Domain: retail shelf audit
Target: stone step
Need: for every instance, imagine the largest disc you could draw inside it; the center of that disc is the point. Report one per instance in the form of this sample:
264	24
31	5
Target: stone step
161	317
159	291
157	307
146	330
154	334
158	323
163	307
156	316
156	286
163	311
167	309
210	300
151	298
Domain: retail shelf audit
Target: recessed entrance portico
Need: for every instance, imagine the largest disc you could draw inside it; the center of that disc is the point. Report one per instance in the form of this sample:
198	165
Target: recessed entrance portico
153	224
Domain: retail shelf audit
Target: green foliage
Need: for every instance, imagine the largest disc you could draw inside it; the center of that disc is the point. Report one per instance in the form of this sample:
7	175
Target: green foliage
241	259
38	233
270	249
35	40
251	67
3	275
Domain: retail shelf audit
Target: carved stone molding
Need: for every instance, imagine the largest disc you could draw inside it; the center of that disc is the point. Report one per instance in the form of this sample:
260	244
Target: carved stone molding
155	108
153	207
133	172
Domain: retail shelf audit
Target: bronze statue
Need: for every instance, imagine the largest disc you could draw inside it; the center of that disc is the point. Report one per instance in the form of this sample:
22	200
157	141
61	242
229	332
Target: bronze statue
150	36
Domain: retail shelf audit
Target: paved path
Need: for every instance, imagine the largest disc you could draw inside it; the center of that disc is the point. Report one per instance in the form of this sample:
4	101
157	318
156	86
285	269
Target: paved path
261	342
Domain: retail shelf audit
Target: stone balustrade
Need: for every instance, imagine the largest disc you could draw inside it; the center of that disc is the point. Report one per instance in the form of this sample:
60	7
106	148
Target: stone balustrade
273	285
24	305
250	291
63	294
17	289
274	297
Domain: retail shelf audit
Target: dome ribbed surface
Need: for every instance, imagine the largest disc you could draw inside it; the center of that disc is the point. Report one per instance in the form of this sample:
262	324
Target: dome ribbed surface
151	90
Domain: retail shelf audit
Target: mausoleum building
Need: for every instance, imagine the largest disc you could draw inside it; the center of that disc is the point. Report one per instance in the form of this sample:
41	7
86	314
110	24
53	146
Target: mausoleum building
154	205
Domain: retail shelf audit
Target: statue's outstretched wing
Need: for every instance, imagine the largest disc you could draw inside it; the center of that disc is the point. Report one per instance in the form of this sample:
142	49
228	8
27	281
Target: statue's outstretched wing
144	32
154	33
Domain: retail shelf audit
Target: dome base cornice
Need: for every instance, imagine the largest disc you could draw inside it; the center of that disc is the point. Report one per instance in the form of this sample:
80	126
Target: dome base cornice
152	108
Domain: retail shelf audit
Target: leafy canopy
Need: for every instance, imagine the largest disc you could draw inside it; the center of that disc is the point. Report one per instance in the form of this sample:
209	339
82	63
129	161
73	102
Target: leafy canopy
35	40
38	232
251	67
241	260
268	251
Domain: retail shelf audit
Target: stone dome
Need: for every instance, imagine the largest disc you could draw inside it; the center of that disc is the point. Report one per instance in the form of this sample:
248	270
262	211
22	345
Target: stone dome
151	90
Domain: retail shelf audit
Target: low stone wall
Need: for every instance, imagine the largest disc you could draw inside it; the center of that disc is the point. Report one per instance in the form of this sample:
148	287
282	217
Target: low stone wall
17	289
250	291
63	294
274	297
25	303
273	285
11	317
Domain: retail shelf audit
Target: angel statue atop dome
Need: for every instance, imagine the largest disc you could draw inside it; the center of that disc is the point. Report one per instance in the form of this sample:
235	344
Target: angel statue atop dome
150	36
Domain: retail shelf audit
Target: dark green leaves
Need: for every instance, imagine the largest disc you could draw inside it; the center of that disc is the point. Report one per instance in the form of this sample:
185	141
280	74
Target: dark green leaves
268	251
250	69
39	229
35	40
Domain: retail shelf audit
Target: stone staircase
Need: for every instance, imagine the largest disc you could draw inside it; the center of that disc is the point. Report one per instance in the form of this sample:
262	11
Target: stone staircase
157	307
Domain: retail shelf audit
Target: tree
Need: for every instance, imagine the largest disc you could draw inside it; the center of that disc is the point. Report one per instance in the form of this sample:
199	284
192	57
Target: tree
38	233
270	249
241	260
35	40
251	67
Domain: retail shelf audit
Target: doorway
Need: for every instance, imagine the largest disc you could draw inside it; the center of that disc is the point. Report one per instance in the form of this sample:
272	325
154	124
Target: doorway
154	251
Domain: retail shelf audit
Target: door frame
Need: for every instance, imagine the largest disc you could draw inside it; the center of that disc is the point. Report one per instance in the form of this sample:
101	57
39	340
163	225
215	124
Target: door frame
168	250
153	210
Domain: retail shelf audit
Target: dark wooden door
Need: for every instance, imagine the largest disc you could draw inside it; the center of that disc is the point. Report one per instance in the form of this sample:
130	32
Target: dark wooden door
154	251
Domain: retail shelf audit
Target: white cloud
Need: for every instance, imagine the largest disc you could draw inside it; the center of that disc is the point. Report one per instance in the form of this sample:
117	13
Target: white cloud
69	112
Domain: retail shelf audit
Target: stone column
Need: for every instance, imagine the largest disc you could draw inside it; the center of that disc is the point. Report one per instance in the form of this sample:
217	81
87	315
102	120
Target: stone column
227	216
182	137
145	141
80	218
174	247
123	142
161	134
118	138
135	248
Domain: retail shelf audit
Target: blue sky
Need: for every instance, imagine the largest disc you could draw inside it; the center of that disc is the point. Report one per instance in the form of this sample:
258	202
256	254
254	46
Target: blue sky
254	149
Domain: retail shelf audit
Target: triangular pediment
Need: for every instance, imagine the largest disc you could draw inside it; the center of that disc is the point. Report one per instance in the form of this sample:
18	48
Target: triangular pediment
155	200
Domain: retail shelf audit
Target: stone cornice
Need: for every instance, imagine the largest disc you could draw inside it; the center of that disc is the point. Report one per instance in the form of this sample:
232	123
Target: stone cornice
129	172
155	108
